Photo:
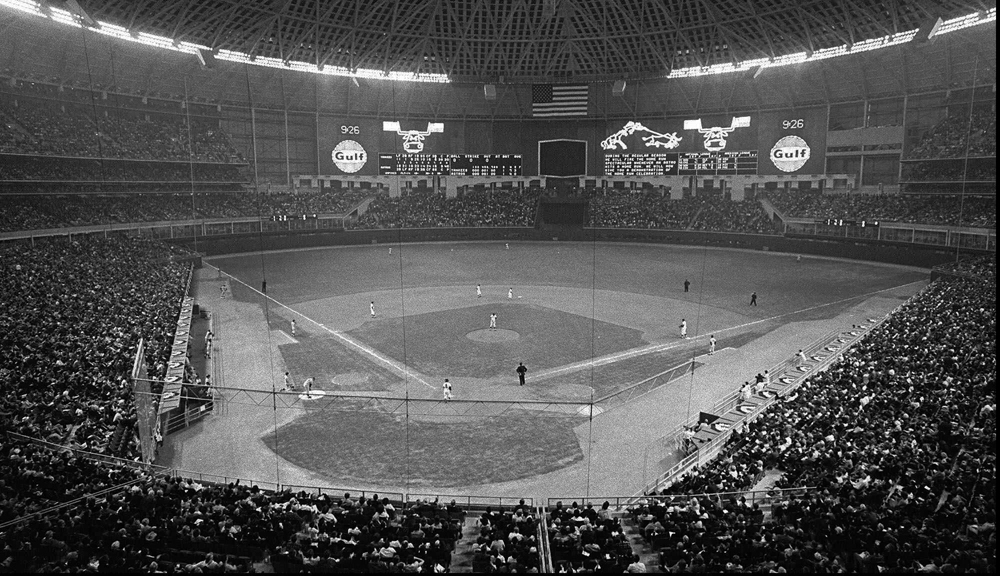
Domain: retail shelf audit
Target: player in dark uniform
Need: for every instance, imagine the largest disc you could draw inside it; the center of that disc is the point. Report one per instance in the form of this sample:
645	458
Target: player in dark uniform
521	371
687	284
753	299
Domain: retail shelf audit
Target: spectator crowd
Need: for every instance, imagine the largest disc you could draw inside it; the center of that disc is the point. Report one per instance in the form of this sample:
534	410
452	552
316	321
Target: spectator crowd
958	136
896	442
76	312
974	211
57	128
47	173
162	524
426	208
651	210
41	212
585	539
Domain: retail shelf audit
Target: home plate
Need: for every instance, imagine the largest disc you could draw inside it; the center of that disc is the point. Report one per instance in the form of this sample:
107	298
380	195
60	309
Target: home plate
589	410
314	395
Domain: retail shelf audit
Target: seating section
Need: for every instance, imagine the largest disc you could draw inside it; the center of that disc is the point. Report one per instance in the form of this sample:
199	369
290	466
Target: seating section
643	209
50	174
422	208
507	541
896	441
161	523
41	212
47	127
949	138
984	267
977	171
620	209
425	208
975	211
719	215
79	309
588	540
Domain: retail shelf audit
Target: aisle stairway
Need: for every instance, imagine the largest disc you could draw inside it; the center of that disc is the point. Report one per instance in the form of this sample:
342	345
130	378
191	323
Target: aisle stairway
461	557
647	555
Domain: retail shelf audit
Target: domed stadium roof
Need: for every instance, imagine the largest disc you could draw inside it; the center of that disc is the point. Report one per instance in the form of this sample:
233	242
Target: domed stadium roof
525	40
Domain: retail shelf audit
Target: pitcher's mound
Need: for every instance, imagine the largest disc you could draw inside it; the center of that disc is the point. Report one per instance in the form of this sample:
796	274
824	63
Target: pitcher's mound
490	336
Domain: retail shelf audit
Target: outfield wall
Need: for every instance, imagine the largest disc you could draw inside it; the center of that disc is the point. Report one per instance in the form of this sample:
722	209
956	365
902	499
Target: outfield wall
855	249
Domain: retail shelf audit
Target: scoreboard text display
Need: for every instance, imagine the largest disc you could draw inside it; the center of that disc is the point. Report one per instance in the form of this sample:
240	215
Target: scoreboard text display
449	164
722	163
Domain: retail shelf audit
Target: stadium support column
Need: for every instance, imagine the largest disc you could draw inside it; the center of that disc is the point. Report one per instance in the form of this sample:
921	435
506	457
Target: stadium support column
450	186
394	189
737	186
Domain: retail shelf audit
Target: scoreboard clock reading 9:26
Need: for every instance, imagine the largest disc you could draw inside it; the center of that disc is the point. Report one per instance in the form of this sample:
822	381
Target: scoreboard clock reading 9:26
449	164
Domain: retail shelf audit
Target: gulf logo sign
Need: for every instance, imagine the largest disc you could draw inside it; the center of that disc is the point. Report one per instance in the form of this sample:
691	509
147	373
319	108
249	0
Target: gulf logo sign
790	153
349	156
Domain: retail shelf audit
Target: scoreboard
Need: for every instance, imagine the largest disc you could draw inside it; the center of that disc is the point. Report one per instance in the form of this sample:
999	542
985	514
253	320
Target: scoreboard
717	163
683	164
449	164
640	164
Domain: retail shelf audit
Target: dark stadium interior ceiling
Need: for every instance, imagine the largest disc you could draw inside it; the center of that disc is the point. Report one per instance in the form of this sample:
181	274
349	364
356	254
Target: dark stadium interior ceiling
524	40
38	49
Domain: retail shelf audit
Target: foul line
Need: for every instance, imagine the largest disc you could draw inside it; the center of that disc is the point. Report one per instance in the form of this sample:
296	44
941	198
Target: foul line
653	348
392	364
288	336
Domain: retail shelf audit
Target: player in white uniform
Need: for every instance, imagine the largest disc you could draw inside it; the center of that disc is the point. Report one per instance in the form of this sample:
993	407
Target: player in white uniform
510	293
479	291
684	328
288	383
493	321
293	326
308	385
446	390
711	345
372	307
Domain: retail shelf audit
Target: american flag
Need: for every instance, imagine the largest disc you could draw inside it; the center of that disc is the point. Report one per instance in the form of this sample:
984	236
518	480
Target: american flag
557	100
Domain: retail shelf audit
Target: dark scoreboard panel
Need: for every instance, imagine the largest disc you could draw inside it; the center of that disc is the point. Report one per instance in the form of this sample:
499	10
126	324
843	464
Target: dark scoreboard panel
449	164
684	164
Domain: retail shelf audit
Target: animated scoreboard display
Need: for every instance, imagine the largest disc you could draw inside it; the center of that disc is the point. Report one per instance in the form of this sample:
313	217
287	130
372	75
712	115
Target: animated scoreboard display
774	142
449	164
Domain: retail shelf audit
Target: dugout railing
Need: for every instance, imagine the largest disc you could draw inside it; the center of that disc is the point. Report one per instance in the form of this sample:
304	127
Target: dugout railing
545	565
765	499
468	502
678	441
